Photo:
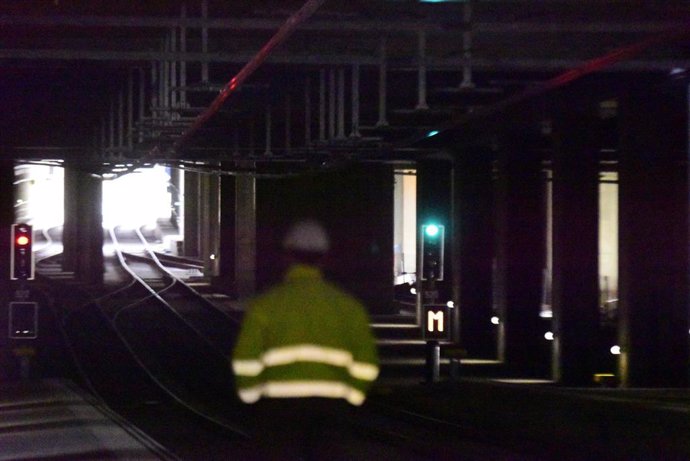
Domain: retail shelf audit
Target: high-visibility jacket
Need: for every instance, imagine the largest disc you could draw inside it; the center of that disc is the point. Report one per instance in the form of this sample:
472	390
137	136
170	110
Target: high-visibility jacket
305	338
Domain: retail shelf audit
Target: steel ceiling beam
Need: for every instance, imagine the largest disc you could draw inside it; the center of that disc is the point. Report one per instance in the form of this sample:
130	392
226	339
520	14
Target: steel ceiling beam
374	27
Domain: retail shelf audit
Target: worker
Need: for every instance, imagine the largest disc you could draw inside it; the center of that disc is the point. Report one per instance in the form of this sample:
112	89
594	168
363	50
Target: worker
305	355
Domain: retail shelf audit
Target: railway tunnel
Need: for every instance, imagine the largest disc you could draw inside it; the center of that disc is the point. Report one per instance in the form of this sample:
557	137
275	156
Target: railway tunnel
558	172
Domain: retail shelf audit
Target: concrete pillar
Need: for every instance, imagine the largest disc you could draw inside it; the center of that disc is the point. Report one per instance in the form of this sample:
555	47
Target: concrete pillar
245	235
225	282
210	223
6	217
474	228
653	248
575	249
83	228
71	220
175	196
7	362
520	250
192	209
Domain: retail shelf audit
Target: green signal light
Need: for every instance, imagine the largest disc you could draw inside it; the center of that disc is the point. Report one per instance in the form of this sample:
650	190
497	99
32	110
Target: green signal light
431	230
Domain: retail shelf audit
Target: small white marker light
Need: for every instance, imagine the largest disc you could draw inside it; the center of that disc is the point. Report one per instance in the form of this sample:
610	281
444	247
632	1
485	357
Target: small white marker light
616	350
548	335
495	320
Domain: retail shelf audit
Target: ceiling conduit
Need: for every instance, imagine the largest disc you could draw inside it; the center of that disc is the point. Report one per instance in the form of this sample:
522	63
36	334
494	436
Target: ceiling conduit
290	25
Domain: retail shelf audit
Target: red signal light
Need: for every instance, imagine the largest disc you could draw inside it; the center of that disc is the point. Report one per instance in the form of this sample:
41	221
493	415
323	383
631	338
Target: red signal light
21	256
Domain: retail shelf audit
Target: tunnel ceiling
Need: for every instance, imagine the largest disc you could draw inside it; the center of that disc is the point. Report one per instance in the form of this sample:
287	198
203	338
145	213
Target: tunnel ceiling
106	82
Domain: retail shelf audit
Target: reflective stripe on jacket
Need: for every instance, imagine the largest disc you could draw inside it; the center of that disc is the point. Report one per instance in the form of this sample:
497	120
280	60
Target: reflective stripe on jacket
305	338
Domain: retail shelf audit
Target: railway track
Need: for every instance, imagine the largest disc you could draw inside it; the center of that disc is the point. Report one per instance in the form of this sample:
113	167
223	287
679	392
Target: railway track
156	351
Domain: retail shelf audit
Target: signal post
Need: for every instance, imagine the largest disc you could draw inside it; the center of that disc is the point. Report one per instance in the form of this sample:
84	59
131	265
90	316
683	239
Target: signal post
22	311
435	318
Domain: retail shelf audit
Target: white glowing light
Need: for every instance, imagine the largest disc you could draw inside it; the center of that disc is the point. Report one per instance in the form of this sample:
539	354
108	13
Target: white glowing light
495	320
548	335
450	304
546	314
413	290
616	350
137	199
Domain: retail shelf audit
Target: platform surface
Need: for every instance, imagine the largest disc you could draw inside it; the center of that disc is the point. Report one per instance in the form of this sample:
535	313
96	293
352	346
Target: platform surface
53	419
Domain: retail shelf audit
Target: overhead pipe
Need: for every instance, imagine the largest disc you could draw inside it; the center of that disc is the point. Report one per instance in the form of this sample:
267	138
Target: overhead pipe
307	10
565	78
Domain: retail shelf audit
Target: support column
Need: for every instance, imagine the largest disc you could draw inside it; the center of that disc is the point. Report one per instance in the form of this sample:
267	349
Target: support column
575	250
653	248
192	215
474	228
6	219
83	228
245	235
225	281
520	227
210	223
71	220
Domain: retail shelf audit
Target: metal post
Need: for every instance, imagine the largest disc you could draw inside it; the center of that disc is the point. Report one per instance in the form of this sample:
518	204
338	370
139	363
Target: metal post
383	70
103	137
322	105
154	91
355	101
268	130
433	361
111	138
204	40
331	103
307	112
166	81
183	63
288	109
173	69
120	121
421	83
341	103
467	46
142	102
130	109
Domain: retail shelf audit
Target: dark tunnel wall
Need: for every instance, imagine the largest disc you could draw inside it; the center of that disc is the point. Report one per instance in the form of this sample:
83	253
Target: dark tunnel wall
355	203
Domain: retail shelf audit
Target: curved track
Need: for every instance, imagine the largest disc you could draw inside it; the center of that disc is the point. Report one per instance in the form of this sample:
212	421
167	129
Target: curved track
156	351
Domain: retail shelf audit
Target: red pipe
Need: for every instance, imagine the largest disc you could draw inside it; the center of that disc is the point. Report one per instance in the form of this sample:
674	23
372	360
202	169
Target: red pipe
279	37
589	67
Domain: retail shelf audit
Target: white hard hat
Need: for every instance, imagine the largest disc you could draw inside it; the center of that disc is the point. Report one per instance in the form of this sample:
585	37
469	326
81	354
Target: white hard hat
308	235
